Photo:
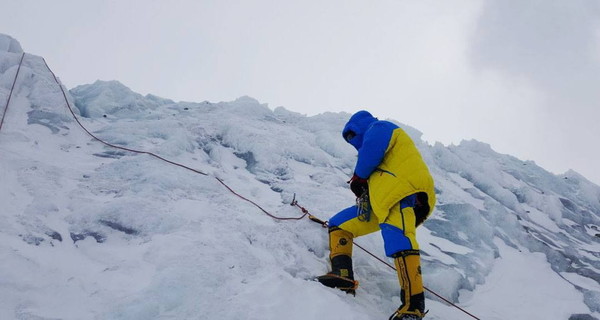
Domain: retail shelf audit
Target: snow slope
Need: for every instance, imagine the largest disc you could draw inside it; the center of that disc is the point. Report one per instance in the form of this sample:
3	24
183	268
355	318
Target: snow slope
91	232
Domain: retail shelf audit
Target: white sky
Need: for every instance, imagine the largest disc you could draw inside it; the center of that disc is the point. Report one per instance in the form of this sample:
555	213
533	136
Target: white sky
523	76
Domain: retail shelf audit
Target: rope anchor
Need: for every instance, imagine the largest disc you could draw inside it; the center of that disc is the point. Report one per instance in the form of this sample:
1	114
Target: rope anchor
294	203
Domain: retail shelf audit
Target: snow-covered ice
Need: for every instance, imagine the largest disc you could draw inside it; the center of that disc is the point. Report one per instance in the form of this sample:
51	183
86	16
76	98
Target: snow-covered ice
90	232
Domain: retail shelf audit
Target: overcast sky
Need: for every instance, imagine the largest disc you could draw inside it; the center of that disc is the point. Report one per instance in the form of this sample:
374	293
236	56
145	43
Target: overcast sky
523	76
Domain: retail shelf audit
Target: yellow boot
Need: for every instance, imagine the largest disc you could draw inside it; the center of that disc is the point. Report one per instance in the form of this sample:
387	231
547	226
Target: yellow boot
411	286
341	275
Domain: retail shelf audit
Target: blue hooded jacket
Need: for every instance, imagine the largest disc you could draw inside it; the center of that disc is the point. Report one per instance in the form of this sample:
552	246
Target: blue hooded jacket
371	139
389	159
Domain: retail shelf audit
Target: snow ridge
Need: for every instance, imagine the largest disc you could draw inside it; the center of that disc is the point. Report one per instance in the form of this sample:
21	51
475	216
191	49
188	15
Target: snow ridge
88	232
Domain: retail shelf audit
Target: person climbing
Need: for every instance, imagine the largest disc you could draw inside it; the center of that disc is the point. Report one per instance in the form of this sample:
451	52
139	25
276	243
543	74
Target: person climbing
395	194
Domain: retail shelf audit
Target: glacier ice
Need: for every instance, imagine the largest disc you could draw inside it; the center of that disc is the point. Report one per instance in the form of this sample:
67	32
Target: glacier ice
91	232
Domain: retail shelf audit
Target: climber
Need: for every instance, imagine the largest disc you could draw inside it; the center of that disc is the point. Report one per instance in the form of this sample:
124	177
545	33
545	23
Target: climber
395	194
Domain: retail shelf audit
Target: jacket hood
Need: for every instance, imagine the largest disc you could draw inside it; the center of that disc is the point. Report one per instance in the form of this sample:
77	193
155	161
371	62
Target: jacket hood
359	123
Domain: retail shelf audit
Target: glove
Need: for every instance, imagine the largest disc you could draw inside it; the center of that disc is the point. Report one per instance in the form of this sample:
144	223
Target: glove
358	185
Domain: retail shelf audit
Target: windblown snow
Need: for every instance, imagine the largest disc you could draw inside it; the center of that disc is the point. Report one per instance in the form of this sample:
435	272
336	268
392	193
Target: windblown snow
92	232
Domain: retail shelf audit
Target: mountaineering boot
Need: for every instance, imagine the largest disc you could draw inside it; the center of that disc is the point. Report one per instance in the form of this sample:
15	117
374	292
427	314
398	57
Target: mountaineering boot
411	286
335	279
405	317
341	275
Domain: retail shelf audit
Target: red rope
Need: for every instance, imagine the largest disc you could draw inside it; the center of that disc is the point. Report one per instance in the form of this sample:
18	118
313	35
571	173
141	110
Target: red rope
11	91
258	206
157	156
109	144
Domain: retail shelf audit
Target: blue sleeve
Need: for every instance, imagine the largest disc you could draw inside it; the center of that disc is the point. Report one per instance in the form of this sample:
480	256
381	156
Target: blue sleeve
375	143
